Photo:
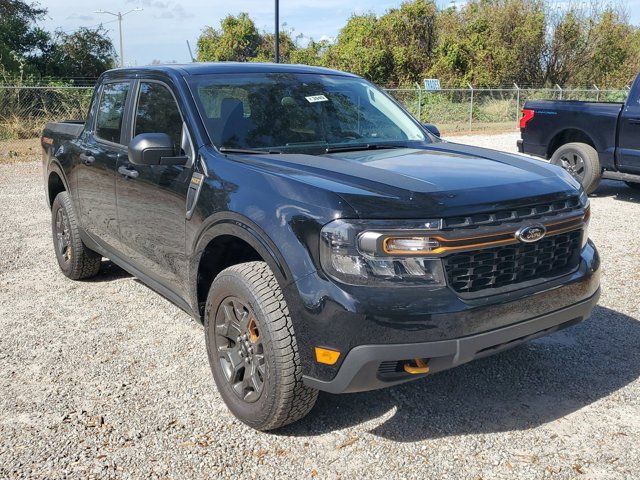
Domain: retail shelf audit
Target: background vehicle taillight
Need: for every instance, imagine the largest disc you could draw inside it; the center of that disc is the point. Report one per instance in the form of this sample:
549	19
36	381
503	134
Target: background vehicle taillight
527	116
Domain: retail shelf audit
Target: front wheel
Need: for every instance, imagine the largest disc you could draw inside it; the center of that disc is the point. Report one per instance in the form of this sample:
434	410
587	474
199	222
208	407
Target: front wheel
252	348
581	161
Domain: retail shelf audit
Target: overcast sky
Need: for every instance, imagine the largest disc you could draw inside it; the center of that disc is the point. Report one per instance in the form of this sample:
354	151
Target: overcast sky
161	30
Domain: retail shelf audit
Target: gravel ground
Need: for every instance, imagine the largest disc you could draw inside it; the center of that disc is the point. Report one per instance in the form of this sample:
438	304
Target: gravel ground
105	378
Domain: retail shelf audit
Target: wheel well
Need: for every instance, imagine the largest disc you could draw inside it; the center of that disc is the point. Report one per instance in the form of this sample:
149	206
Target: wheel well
568	136
220	253
55	186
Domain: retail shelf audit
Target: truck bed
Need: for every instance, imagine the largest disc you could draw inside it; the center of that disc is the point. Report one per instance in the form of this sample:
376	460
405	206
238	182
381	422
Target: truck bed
555	119
65	130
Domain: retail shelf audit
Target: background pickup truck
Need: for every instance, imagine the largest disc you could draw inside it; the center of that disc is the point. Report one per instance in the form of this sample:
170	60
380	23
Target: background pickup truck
590	140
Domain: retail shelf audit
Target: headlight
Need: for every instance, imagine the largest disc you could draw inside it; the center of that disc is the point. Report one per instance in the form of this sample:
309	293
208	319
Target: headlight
373	253
586	204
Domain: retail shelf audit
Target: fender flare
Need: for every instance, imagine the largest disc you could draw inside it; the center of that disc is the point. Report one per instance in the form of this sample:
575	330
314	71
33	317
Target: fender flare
561	131
228	223
54	167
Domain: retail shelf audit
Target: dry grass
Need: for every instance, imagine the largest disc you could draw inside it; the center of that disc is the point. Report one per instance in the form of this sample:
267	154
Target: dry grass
14	151
20	127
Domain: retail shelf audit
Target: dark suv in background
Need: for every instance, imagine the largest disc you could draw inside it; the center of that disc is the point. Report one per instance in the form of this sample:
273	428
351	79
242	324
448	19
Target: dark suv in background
325	239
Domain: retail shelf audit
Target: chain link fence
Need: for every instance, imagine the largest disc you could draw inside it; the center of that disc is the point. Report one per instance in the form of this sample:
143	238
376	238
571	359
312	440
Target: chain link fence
488	109
25	109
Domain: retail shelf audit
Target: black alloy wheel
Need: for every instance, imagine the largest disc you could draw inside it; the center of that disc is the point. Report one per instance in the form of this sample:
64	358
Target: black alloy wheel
63	236
240	349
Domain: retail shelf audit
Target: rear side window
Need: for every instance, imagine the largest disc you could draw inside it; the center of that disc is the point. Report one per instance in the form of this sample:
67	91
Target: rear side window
111	110
157	112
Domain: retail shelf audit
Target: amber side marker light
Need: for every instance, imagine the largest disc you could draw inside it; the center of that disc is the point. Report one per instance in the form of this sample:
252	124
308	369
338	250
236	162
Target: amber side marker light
327	356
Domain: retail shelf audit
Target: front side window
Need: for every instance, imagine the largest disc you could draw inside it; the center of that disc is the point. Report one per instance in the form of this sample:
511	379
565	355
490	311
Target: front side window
157	112
111	110
291	111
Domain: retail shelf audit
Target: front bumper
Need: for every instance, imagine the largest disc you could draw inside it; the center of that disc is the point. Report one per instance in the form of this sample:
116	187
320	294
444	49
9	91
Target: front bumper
368	367
400	324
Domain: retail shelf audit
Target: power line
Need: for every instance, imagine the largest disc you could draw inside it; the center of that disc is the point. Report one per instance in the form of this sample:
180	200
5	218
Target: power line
88	27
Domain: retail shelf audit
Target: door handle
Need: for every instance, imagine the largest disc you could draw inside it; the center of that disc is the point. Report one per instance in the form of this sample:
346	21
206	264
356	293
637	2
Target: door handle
87	158
128	172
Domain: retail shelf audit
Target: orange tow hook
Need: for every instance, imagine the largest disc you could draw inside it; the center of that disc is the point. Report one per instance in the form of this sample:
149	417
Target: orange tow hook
418	367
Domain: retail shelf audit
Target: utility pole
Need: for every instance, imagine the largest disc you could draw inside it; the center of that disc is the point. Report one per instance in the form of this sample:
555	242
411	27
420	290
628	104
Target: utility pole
277	36
193	59
119	15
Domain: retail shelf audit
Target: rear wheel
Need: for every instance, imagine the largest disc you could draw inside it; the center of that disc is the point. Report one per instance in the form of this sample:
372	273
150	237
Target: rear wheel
252	348
74	258
581	161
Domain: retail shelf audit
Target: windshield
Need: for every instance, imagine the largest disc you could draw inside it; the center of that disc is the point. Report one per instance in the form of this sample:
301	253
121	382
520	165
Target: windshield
285	111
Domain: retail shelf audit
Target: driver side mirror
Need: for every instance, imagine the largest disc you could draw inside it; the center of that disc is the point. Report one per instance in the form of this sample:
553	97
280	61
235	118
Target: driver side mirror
154	149
432	129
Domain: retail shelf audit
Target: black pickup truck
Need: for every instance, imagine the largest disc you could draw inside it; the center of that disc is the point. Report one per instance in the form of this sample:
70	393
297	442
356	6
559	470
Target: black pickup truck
325	239
591	140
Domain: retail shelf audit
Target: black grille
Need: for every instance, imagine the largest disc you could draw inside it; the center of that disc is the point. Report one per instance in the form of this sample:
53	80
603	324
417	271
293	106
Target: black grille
497	267
510	216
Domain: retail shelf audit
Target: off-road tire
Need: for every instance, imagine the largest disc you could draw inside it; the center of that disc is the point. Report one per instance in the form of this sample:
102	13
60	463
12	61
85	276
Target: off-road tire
75	260
284	398
588	163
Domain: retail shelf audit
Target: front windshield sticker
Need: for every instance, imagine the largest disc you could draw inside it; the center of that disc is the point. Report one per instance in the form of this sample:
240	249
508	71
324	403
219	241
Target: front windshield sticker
317	98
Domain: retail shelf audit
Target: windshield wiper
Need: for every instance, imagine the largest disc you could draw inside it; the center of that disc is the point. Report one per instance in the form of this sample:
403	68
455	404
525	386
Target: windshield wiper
366	146
246	150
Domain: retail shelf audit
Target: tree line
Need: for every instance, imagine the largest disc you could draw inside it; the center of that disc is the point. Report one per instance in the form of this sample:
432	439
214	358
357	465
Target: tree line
484	42
28	52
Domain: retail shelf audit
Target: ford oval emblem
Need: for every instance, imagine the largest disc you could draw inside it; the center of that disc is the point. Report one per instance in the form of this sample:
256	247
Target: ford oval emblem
531	233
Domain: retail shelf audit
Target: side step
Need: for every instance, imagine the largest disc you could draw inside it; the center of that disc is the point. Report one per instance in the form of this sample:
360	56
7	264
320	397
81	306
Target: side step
625	177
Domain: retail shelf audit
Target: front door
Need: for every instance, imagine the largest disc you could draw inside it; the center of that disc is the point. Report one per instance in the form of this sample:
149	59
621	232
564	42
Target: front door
97	158
152	201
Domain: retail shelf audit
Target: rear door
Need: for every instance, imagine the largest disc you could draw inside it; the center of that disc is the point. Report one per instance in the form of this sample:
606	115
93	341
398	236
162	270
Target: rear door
152	201
97	159
628	153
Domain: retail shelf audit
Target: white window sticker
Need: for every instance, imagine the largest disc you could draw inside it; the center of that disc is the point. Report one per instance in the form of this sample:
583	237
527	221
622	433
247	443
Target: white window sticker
317	98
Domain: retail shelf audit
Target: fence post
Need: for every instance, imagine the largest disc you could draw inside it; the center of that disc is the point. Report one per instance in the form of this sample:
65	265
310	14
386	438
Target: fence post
597	92
559	90
517	102
471	108
419	102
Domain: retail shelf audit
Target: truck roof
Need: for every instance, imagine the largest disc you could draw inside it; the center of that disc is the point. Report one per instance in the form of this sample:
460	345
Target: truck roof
207	68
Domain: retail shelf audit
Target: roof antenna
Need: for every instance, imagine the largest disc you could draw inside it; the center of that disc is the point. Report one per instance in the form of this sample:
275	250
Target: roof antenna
190	53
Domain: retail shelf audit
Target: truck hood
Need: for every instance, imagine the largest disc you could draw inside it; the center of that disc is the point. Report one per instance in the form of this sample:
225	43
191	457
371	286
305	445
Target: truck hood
440	180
